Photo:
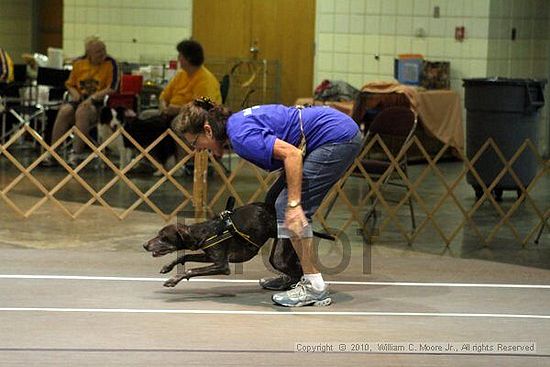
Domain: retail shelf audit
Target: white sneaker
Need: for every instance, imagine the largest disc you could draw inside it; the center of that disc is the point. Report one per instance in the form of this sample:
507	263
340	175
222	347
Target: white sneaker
303	294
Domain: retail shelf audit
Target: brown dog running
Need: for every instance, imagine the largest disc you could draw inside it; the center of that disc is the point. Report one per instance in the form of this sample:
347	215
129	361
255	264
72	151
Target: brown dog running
247	229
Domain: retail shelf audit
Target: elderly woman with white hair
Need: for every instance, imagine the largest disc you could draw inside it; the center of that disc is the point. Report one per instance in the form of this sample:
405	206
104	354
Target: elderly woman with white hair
93	76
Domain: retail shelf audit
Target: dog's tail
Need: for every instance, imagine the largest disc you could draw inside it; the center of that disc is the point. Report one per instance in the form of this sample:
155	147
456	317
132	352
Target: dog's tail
323	235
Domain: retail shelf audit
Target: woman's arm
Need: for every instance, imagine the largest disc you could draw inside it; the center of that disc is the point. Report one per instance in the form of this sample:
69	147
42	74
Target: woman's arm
165	107
292	159
73	92
171	110
295	219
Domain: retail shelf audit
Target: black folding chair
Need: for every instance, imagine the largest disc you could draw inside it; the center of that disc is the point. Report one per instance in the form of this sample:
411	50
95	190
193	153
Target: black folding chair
55	79
33	108
395	126
9	97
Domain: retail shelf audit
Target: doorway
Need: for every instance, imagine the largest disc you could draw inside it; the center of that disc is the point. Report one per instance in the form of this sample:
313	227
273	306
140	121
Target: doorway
273	30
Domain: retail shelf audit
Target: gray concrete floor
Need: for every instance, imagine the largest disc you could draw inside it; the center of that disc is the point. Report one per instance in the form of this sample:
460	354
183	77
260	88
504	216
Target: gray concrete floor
96	297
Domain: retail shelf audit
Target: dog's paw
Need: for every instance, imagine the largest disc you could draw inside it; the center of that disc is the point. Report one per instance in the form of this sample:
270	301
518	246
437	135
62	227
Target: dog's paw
166	269
188	274
172	282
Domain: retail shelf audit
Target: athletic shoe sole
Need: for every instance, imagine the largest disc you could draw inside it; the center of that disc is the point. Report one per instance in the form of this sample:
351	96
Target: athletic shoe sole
321	303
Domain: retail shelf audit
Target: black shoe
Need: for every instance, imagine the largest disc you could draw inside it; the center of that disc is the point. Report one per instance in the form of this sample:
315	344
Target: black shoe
282	282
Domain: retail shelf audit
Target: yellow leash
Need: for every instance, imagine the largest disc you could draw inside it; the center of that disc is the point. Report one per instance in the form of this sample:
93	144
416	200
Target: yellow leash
227	234
245	236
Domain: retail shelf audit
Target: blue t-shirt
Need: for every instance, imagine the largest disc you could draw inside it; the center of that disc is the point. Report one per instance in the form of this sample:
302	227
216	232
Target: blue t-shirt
253	131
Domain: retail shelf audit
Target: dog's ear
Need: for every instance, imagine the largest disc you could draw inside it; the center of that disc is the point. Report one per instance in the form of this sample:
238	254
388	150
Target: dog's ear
184	238
116	121
230	204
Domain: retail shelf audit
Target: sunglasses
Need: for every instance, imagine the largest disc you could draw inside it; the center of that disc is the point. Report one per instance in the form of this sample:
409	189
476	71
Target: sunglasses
192	145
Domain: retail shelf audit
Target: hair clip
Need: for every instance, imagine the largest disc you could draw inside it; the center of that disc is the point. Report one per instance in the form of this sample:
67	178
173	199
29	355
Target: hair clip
204	102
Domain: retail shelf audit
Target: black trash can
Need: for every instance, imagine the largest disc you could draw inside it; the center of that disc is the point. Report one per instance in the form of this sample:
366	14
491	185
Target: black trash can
506	110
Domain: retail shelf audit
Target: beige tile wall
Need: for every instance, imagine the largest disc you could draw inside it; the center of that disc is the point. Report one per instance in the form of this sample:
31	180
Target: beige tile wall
134	30
16	27
357	40
528	56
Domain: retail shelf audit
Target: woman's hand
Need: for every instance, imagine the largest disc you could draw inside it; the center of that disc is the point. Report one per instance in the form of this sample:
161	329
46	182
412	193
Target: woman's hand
295	221
74	95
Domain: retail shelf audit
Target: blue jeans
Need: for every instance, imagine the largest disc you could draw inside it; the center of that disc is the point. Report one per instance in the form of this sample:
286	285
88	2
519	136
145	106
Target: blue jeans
322	168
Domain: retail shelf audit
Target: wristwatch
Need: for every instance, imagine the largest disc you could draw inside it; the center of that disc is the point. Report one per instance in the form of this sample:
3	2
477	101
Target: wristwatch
293	204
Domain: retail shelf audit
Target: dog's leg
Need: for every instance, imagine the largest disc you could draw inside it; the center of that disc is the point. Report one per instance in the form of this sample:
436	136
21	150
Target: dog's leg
284	258
127	156
215	269
200	258
122	155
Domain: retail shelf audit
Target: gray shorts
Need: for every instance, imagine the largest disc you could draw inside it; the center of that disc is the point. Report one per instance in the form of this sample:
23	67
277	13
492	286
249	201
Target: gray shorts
322	168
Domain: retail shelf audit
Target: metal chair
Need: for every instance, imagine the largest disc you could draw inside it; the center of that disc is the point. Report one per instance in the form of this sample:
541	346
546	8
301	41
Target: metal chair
395	126
9	97
37	99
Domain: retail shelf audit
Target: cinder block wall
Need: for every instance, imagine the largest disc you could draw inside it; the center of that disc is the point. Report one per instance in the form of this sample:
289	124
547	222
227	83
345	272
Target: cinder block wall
16	27
134	30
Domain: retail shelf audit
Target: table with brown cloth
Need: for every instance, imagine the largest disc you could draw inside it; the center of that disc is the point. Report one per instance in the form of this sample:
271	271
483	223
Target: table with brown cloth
439	111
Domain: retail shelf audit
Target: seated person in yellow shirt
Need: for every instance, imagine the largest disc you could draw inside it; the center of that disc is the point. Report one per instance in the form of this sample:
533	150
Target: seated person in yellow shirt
193	81
93	76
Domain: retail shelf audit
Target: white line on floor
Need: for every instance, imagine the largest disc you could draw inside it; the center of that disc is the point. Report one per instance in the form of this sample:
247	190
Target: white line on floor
211	280
271	313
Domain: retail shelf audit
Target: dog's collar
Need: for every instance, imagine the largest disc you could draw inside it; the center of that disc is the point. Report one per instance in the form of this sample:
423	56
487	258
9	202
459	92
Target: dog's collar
180	234
227	231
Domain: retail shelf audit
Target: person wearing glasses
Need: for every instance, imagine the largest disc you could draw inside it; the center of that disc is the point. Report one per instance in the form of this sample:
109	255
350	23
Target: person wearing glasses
312	146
